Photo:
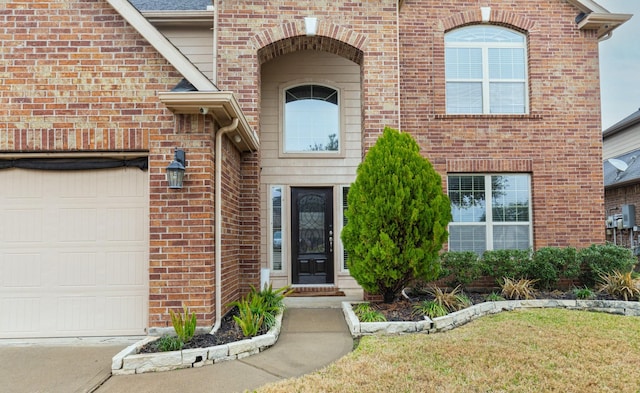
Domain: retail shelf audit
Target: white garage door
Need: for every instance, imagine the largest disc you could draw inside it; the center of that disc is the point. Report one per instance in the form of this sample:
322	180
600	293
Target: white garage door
73	252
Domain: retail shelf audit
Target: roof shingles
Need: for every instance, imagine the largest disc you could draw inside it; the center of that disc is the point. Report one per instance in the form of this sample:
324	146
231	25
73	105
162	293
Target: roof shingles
170	5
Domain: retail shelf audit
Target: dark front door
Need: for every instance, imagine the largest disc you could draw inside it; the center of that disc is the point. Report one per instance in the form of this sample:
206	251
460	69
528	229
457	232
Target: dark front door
312	235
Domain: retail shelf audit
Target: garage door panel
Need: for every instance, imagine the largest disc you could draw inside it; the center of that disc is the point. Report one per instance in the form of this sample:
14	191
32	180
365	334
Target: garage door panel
20	316
24	271
77	269
25	226
125	224
125	268
75	262
77	225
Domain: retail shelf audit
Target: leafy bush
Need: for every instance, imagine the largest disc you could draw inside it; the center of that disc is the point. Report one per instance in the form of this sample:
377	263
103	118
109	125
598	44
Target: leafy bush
274	299
184	324
462	267
518	289
248	320
429	308
258	310
620	285
506	263
365	313
599	259
169	343
452	301
583	293
396	218
549	264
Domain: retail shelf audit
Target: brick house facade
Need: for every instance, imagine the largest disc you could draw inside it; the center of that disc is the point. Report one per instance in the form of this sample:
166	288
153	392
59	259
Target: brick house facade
85	79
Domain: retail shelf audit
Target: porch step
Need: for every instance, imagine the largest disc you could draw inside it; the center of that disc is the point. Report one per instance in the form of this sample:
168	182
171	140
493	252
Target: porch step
316	292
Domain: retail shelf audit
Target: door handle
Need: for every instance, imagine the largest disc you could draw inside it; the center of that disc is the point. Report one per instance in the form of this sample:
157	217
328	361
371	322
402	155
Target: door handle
330	241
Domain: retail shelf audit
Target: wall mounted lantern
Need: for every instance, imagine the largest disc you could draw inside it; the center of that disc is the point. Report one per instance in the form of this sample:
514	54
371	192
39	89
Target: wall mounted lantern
175	170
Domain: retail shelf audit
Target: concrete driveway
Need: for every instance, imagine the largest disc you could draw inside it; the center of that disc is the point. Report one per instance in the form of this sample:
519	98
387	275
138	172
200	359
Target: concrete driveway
52	366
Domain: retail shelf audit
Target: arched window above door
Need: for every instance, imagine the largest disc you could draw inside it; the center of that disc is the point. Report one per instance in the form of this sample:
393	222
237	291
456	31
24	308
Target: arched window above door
311	119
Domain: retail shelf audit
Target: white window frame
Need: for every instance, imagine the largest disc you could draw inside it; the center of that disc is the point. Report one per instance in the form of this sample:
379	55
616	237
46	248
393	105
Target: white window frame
489	222
485	80
283	152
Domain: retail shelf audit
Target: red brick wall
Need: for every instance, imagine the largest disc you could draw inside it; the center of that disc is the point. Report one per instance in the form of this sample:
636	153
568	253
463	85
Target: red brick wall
76	77
558	142
181	257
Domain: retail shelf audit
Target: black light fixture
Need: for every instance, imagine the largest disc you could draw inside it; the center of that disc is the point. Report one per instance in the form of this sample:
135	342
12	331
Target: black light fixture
175	170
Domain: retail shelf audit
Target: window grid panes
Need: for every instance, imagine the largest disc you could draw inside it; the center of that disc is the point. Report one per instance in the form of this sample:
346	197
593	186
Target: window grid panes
501	221
311	120
345	256
277	239
485	71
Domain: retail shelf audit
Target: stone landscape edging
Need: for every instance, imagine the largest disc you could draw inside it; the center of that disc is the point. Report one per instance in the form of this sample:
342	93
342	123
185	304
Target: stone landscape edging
459	318
129	361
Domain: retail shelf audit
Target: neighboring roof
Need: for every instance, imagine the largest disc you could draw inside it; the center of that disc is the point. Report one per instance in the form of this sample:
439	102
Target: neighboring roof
614	177
172	5
623	124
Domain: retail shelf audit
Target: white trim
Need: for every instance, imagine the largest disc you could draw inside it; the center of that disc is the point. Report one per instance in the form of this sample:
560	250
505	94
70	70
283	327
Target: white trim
163	45
282	153
486	79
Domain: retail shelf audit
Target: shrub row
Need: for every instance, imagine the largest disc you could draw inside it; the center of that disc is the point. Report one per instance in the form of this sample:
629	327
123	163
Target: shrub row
547	265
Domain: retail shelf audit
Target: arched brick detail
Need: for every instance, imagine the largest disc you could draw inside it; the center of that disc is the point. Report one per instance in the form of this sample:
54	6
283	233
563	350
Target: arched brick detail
498	17
290	37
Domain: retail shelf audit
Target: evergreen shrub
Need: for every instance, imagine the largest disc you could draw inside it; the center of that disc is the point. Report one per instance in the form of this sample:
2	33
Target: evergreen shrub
396	218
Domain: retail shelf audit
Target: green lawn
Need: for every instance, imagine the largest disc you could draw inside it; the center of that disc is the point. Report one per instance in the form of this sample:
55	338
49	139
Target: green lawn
547	350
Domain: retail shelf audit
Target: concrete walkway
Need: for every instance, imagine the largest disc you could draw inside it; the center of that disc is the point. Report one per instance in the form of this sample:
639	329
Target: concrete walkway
314	334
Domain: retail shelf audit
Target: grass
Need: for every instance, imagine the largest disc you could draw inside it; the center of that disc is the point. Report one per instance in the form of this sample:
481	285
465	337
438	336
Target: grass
546	350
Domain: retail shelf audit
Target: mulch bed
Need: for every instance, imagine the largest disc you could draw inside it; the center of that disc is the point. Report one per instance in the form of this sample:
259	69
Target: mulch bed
227	333
402	309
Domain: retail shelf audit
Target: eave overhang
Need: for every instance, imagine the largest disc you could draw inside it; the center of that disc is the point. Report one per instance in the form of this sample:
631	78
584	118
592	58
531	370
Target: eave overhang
604	23
595	17
180	18
222	106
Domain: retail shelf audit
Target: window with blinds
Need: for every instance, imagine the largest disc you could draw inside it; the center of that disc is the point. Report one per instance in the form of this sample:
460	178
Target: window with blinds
486	71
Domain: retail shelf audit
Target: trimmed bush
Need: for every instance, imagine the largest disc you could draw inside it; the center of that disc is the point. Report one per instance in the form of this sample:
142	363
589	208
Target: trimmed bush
602	259
397	217
549	264
506	263
460	267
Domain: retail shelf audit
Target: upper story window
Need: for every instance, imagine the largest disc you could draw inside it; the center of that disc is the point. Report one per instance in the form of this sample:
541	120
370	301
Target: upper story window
486	71
311	120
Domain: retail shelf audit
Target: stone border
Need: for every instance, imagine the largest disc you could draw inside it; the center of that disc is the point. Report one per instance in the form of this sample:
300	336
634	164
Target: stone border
459	318
128	361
